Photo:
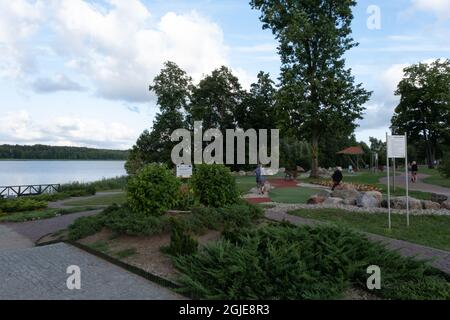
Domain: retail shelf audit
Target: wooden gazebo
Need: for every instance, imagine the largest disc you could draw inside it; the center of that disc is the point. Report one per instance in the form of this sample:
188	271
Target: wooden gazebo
353	153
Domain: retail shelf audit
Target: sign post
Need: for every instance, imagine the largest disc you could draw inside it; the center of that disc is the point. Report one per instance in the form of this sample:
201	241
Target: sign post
397	147
184	171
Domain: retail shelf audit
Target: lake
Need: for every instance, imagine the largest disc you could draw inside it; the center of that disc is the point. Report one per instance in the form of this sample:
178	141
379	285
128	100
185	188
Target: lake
14	173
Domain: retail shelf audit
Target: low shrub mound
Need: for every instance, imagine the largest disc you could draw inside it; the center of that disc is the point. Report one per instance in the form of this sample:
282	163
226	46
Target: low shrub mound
77	189
288	262
181	240
119	219
356	186
21	205
153	190
214	185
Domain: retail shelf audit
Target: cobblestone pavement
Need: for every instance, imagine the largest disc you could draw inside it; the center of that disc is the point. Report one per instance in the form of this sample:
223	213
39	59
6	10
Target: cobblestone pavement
40	274
440	259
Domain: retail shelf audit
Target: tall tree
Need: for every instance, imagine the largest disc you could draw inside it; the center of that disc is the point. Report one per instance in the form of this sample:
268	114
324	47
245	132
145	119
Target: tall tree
424	108
172	88
317	93
258	110
216	100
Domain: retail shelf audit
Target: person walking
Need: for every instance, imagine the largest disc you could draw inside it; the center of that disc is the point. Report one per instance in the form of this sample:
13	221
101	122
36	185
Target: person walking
337	178
259	179
414	170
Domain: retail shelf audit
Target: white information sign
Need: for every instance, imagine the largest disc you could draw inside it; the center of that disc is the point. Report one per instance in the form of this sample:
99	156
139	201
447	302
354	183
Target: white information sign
184	171
396	146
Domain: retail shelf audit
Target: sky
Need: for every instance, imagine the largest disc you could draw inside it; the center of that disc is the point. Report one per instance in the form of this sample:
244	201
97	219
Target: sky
77	72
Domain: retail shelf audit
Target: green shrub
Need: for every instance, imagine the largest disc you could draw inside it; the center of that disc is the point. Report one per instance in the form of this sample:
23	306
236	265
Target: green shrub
119	219
203	219
124	221
214	185
181	242
50	197
77	189
21	205
187	199
110	183
153	190
86	226
288	262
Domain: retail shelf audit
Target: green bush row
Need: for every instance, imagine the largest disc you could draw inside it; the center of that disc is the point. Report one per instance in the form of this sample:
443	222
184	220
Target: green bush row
289	262
21	204
123	220
154	189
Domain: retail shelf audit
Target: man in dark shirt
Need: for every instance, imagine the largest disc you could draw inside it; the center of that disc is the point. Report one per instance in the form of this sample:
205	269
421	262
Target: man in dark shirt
337	177
414	169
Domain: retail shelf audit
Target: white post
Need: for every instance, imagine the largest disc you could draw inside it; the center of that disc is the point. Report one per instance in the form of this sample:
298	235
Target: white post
407	180
388	181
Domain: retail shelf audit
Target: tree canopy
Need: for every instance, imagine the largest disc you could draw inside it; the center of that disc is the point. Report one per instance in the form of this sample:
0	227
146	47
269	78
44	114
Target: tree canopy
424	108
317	93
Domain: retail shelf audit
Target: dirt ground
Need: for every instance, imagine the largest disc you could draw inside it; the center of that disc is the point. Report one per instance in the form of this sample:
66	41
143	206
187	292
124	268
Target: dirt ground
148	255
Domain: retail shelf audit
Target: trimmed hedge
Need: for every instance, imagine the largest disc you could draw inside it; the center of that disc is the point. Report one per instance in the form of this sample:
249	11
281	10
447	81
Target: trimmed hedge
214	185
153	190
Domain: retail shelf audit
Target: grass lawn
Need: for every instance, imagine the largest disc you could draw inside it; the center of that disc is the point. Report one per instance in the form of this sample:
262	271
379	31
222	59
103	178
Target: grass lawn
41	214
432	231
435	177
292	195
244	184
106	200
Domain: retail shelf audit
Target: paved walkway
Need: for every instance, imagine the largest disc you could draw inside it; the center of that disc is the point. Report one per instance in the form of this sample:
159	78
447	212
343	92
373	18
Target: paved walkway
400	180
34	230
40	274
9	239
440	258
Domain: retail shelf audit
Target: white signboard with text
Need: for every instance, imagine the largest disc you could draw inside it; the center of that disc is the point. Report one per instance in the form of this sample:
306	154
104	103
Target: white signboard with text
396	146
184	171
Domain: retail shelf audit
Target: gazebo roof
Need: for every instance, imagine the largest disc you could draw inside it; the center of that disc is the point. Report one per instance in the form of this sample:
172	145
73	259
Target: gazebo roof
352	151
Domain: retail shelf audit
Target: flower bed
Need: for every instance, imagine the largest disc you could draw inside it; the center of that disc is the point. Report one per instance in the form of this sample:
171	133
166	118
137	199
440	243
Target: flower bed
357	186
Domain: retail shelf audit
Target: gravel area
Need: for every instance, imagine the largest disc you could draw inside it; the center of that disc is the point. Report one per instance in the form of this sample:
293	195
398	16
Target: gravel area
292	207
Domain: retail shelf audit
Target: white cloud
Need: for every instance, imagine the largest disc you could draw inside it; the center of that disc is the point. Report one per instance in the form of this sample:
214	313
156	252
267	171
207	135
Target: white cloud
68	130
440	8
19	20
119	47
58	82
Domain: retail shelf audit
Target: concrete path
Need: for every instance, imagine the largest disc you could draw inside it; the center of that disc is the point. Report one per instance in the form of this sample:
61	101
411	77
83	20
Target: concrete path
9	239
34	230
440	258
400	180
41	274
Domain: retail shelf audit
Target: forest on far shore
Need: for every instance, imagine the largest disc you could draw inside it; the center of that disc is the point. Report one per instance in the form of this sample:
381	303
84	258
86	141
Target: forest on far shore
43	152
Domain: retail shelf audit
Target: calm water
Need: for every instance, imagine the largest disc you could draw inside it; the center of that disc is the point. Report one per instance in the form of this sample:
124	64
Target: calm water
49	172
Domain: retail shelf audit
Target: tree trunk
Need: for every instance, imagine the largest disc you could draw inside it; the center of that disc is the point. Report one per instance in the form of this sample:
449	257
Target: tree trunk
315	156
429	151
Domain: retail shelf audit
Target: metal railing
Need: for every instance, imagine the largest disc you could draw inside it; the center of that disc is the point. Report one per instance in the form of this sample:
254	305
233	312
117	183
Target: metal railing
28	190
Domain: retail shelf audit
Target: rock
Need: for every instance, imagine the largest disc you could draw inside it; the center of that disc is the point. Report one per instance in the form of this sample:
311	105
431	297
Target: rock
378	195
334	201
282	170
350	202
370	199
242	173
349	196
426	204
250	173
445	205
324	193
316	200
438	198
400	203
